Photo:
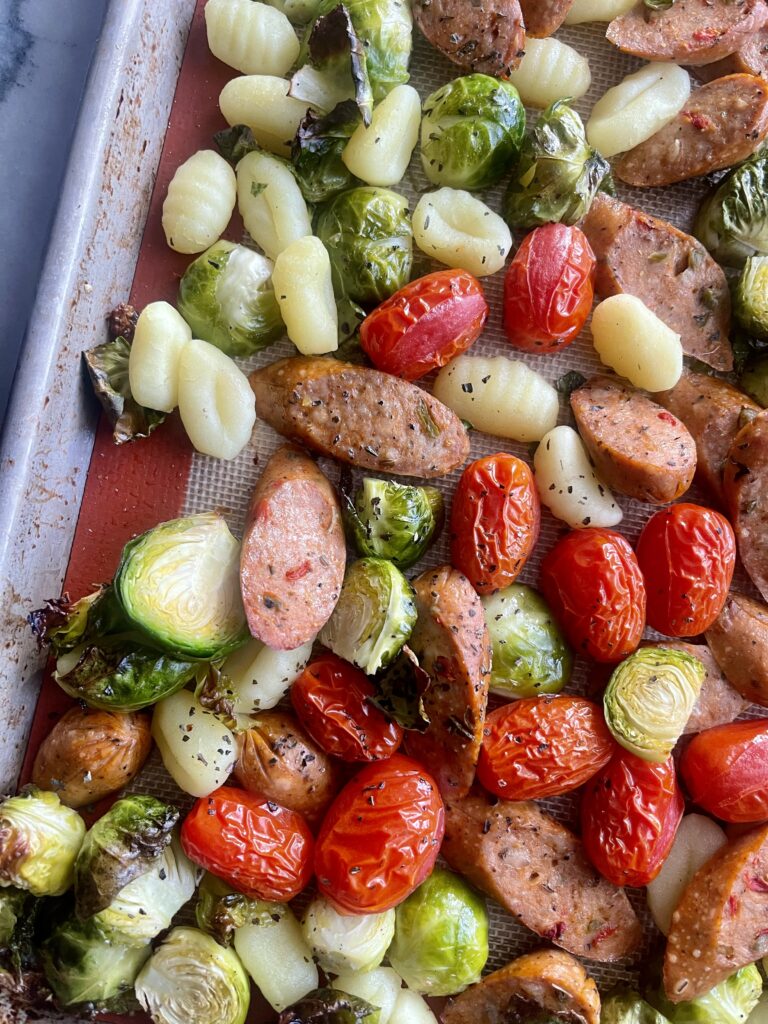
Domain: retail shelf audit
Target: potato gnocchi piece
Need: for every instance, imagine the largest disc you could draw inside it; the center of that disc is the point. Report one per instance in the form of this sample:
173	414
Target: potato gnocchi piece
197	749
262	102
200	199
153	364
410	1008
459	230
304	292
379	987
216	404
259	677
270	202
637	108
499	396
597	10
253	38
380	154
634	342
568	484
277	957
549	71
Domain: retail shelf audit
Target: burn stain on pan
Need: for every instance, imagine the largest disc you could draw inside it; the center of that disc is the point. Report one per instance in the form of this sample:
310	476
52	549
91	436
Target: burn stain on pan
15	47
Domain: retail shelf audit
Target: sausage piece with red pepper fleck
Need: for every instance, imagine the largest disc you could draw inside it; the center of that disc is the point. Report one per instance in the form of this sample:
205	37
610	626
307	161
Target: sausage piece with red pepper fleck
745	485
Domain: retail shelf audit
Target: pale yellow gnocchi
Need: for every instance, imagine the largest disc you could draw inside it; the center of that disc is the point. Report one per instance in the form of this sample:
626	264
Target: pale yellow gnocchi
634	342
251	37
277	957
259	677
458	229
197	749
270	202
549	71
199	203
380	153
153	364
568	484
597	10
304	292
262	103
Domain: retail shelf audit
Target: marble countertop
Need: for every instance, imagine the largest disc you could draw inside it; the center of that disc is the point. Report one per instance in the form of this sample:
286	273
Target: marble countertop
46	47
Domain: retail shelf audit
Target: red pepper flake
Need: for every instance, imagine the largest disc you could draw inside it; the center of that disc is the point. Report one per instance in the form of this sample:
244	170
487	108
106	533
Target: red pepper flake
757	884
732	905
299	572
667	417
705	35
602	935
699	121
554	933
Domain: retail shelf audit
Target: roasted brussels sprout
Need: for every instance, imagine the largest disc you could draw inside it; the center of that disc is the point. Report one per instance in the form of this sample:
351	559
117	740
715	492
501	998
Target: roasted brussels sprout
226	297
220	910
471	132
649	699
329	1006
40	837
753	379
750	305
730	1002
626	1007
441	936
180	584
733	221
394	521
191	979
530	654
316	152
12	902
367	232
558	175
342	943
374	616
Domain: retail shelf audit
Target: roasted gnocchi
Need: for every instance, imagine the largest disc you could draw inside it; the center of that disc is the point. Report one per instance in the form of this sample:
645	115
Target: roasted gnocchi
197	749
596	10
549	71
258	677
302	283
380	153
199	203
568	484
459	230
153	364
270	202
253	38
277	957
634	342
262	103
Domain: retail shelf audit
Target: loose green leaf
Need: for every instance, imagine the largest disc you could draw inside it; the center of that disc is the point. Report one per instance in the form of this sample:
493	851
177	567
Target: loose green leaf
316	152
569	382
108	371
329	1006
235	142
400	690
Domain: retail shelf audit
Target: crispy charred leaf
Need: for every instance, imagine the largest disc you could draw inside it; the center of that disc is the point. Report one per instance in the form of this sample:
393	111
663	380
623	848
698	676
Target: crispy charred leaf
108	370
745	349
337	52
317	149
235	142
63	624
215	693
400	692
569	382
21	977
122	321
220	910
328	1006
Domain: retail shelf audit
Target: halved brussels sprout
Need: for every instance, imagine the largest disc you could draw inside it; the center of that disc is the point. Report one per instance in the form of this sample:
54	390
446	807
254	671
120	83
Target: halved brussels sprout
40	838
530	654
226	297
86	970
367	232
559	173
441	936
471	132
342	943
627	1007
180	583
730	1002
733	221
394	521
220	910
329	1006
750	305
374	616
649	699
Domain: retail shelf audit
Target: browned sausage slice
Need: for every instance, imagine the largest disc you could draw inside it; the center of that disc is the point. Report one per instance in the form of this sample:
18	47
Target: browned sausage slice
713	411
690	31
485	35
532	987
543	17
538	871
739	641
670	271
293	554
722	124
451	641
638	448
721	922
750	59
364	417
745	486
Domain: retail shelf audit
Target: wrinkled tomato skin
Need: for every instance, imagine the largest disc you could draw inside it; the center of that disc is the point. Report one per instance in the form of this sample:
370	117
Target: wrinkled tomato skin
495	521
543	746
687	554
258	847
331	698
380	838
594	586
549	288
630	813
725	771
425	324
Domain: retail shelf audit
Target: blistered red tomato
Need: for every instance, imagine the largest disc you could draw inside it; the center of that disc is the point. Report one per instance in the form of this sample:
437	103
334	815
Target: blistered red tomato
494	521
543	746
260	848
425	324
549	288
725	770
333	702
594	586
630	813
687	554
380	838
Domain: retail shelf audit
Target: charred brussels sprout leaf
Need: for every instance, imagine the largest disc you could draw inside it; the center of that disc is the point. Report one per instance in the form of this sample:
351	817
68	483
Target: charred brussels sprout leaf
236	142
226	297
329	1006
63	624
471	132
558	175
337	52
400	690
751	300
730	1002
394	521
733	221
12	903
317	149
21	976
108	371
219	910
367	232
40	838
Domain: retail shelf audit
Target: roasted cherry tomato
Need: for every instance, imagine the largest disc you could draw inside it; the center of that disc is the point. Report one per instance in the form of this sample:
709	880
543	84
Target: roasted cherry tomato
494	521
629	817
332	700
425	324
549	288
543	746
380	838
260	848
594	586
687	555
725	770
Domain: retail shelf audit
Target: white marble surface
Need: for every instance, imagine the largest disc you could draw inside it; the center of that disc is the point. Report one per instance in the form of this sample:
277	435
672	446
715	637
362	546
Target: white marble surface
46	48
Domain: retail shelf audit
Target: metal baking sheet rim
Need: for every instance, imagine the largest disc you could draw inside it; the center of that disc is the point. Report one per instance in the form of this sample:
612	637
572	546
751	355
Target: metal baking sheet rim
48	437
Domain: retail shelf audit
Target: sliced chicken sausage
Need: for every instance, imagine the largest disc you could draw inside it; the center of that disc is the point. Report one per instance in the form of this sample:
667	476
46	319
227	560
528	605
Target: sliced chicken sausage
543	17
749	59
485	35
739	641
745	486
